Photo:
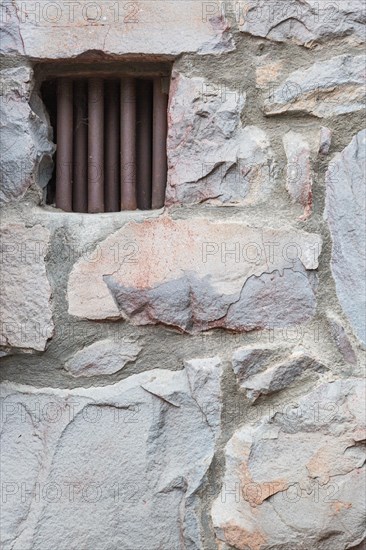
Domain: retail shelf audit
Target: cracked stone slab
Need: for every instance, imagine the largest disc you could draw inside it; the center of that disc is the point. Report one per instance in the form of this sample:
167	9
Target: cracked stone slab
259	373
212	158
298	473
26	137
163	27
25	307
305	22
327	88
195	275
345	212
103	357
133	455
204	378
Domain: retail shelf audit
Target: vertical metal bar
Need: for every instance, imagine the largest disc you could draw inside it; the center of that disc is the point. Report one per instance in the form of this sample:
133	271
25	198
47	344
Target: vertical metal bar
64	144
111	147
96	146
112	138
128	144
159	163
144	143
80	186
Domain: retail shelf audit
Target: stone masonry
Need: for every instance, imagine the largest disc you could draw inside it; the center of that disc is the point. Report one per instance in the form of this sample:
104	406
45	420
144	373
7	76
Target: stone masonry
190	378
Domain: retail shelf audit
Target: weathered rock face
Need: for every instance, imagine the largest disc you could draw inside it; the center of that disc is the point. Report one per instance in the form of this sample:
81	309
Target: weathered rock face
299	175
212	157
26	315
195	274
345	212
116	28
137	451
304	22
325	140
341	340
26	144
297	474
276	299
258	373
204	378
10	38
248	361
327	88
104	357
201	349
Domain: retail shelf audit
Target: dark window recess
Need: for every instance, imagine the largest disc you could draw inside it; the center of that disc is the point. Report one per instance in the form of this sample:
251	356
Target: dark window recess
111	143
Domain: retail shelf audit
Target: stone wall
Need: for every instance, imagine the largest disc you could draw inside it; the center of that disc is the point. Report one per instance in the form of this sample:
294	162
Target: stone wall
192	377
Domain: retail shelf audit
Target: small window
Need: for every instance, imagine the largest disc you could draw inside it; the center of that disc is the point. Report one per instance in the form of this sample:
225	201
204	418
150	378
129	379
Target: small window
110	127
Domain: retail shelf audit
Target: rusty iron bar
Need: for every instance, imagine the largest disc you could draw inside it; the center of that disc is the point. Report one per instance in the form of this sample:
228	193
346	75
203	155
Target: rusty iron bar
109	160
80	183
112	138
96	145
144	144
128	144
159	161
64	144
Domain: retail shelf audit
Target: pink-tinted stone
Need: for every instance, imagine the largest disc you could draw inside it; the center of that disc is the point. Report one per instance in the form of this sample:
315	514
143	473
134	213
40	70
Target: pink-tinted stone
195	274
296	474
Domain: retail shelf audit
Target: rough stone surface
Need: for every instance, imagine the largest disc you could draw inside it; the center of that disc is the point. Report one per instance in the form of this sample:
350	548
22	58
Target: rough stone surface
346	215
212	158
204	378
274	300
259	374
248	361
325	140
305	22
341	340
326	88
104	357
299	179
137	451
26	315
296	479
195	274
26	146
10	38
148	339
62	30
